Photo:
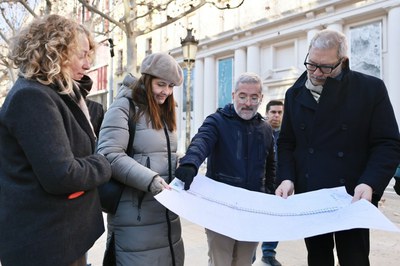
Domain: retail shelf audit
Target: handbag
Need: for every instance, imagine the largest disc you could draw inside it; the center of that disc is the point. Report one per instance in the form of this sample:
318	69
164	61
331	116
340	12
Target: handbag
110	192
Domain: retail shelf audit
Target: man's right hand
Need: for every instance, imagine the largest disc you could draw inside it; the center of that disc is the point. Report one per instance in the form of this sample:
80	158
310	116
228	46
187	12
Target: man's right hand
186	173
285	189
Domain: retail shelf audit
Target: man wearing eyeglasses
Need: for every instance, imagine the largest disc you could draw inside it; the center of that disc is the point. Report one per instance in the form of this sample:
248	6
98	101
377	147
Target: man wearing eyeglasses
239	148
338	129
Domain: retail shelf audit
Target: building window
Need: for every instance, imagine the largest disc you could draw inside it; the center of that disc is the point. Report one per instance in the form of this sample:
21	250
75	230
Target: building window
284	56
225	81
149	46
99	78
366	48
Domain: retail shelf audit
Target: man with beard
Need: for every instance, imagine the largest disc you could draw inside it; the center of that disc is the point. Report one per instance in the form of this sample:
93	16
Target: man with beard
239	148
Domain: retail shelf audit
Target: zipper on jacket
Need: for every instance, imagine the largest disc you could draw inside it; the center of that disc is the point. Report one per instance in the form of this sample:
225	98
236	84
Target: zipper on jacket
140	200
141	194
171	246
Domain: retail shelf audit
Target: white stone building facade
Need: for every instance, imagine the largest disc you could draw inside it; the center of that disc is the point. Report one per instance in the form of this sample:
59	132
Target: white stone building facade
271	39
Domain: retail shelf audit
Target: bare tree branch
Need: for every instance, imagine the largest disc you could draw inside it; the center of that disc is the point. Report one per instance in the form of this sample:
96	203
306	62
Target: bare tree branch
173	19
4	37
11	14
104	15
6	20
27	7
227	6
153	8
49	6
22	2
127	19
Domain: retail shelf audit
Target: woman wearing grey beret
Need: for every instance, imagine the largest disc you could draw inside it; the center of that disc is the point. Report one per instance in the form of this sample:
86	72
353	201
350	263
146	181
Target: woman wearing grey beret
144	231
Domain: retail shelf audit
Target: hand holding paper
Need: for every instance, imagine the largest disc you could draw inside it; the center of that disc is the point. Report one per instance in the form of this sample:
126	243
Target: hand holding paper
252	216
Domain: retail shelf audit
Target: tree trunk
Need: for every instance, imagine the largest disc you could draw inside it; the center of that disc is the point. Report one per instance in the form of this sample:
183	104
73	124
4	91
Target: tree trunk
131	55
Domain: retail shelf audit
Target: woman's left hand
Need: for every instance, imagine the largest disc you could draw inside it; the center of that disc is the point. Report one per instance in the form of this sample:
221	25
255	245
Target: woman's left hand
157	185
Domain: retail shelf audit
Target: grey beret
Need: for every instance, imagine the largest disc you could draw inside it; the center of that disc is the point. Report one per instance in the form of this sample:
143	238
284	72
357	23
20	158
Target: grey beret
163	66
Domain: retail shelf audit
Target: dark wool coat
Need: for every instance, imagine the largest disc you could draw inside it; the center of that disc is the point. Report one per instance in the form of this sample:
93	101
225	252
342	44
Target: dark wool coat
96	112
240	152
349	137
46	147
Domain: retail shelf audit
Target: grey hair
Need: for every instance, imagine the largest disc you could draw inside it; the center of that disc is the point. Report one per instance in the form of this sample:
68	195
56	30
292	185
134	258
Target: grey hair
248	78
328	39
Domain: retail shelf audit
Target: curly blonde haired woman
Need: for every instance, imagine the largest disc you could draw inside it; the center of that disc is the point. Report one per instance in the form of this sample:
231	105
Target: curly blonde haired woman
49	207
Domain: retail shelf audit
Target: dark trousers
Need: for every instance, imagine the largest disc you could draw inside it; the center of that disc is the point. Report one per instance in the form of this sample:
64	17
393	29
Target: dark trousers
352	248
268	249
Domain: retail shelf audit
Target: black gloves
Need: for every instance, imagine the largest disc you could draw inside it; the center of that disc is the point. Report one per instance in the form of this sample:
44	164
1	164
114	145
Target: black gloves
270	188
396	186
186	173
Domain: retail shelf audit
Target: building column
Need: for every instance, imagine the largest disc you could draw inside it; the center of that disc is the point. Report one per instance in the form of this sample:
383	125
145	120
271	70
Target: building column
338	26
393	77
198	95
253	59
240	63
210	86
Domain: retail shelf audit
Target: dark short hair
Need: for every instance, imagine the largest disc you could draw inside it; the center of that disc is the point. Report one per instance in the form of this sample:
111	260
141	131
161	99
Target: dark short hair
273	103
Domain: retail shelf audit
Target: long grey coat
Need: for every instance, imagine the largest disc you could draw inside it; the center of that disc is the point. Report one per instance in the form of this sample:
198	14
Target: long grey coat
46	153
140	224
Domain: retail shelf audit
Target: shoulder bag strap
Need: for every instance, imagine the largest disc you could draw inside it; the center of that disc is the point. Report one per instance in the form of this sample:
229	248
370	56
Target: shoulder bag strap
132	127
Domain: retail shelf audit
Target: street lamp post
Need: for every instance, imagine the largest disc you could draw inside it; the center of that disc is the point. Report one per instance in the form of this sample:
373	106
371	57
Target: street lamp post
111	74
189	49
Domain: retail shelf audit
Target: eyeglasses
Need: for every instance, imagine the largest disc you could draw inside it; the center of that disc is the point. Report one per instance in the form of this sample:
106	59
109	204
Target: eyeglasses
243	98
323	68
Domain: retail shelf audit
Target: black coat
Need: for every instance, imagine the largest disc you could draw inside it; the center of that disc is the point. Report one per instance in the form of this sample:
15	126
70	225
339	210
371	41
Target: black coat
46	147
349	137
96	112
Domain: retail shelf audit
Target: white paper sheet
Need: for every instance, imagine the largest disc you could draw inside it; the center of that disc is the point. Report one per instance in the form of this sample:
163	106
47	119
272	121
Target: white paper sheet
252	216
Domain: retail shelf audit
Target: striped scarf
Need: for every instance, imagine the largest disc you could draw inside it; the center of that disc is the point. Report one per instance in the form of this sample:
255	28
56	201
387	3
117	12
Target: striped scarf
77	96
315	90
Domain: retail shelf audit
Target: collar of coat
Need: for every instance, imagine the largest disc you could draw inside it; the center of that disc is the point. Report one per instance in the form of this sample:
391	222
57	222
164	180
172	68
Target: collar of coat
229	111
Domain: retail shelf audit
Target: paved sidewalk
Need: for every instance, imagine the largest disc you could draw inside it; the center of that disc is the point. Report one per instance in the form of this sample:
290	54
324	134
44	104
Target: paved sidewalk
385	246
